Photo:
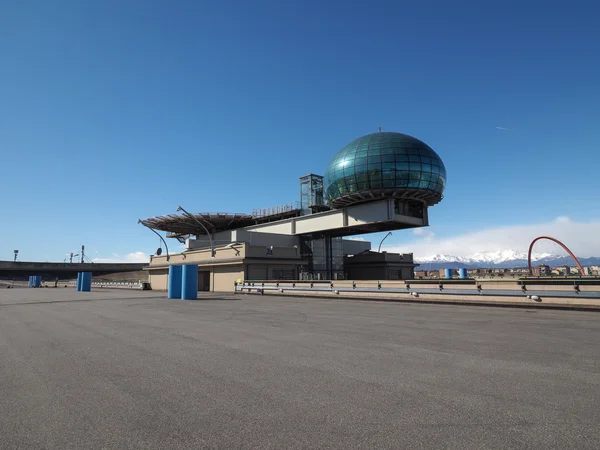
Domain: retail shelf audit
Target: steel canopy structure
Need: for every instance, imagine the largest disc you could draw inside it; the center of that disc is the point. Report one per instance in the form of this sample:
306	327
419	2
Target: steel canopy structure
180	225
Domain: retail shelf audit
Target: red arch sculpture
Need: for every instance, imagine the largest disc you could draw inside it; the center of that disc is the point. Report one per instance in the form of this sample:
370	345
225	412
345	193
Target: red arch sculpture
559	243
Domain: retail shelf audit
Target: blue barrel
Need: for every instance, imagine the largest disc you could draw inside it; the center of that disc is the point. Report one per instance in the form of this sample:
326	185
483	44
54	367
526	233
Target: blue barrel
174	282
448	273
86	281
79	278
462	273
189	282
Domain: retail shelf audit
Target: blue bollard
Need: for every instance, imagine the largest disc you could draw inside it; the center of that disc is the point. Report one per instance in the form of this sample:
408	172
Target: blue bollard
189	282
174	282
86	281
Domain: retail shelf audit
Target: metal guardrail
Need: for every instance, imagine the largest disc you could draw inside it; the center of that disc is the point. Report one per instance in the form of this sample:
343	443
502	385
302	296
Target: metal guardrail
534	294
117	284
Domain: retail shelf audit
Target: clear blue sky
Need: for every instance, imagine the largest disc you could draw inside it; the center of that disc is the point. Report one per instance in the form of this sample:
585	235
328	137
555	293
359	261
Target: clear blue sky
112	111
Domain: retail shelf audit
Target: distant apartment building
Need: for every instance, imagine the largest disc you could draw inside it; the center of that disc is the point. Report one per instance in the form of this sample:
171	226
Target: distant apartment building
542	270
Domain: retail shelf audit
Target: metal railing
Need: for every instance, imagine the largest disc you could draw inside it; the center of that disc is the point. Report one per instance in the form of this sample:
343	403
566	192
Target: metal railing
523	291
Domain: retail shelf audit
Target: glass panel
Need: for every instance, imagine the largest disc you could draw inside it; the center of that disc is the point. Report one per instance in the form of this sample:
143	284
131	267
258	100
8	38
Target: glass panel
389	183
389	174
362	177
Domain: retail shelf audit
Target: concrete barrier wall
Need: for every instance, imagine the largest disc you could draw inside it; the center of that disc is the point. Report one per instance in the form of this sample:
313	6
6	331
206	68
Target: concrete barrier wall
477	293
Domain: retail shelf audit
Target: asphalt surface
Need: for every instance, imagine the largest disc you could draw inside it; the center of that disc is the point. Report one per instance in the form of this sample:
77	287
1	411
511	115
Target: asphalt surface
131	369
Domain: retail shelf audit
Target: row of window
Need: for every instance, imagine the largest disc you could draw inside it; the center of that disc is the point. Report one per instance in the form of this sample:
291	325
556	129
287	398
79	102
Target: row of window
389	175
339	172
385	159
349	185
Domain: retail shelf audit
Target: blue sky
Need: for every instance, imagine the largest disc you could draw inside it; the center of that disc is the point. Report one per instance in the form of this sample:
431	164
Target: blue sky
112	111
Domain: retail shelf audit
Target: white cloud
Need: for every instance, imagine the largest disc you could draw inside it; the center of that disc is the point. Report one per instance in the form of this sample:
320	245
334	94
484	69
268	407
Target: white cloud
423	232
135	257
503	129
581	238
356	238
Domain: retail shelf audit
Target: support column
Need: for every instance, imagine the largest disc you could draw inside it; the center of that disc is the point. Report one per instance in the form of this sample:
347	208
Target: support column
328	257
174	282
189	282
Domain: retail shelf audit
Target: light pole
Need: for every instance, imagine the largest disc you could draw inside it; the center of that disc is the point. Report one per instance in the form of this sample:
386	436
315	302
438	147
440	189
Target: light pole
212	248
161	238
379	249
16	253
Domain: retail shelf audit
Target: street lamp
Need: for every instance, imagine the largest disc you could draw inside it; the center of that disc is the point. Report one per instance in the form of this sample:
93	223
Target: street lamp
16	253
158	251
212	248
379	250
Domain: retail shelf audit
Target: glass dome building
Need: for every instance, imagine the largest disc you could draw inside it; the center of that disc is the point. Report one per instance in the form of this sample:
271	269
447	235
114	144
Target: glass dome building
385	165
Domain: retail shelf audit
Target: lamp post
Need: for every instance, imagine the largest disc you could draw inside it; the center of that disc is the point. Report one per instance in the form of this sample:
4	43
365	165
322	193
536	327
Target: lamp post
212	248
16	254
161	238
379	249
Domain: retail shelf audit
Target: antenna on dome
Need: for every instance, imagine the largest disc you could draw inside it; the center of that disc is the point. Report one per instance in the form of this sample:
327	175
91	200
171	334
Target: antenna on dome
379	128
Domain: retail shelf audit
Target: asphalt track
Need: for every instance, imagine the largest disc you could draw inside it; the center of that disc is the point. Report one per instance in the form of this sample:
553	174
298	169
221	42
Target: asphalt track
130	369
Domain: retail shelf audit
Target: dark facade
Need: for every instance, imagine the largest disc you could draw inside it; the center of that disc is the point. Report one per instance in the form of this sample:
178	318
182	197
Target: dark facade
380	266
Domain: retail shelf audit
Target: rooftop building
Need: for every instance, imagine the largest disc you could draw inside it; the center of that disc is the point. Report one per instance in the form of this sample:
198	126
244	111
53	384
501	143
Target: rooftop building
379	182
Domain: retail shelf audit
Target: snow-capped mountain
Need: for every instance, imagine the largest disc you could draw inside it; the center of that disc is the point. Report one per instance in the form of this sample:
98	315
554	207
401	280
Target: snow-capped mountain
502	258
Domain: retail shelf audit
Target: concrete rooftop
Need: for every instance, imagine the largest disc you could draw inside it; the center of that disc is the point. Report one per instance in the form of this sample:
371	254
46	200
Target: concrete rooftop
130	369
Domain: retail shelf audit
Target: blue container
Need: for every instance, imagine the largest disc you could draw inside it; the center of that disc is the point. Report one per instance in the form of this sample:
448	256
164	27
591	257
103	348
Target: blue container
448	273
37	281
174	283
189	282
79	278
86	281
462	273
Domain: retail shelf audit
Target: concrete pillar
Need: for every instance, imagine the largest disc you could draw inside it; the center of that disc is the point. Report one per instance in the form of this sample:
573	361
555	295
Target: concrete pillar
174	282
189	282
